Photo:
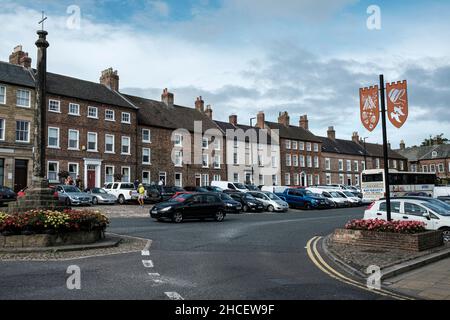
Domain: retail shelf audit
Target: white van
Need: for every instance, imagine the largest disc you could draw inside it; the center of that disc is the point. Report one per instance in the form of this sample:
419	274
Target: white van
274	189
229	185
441	192
331	194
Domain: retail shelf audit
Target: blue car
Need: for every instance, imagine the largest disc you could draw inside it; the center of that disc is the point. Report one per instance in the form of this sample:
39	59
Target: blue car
301	198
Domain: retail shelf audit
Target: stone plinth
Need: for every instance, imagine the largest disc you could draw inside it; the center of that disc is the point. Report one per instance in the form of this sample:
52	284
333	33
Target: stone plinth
50	240
39	196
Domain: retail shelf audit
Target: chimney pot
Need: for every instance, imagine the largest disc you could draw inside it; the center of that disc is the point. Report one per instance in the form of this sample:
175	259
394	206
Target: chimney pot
331	133
20	58
355	137
209	112
200	104
304	123
110	78
233	119
284	118
402	145
260	120
167	98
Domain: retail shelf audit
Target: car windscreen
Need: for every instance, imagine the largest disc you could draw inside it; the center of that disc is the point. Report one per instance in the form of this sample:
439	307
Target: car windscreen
334	194
249	197
348	194
240	186
272	196
71	189
224	196
436	208
181	197
98	190
440	203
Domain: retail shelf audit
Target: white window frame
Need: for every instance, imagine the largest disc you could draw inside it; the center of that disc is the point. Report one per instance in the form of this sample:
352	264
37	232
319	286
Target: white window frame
309	161
205	180
348	165
356	165
180	185
2	129
89	110
57	171
129	173
58	105
207	161
217	162
203	143
178	141
294	145
57	137
288	144
316	147
308	146
78	168
113	143
3	95
28	135
316	162
113	115
149	156
287	179
122	145
302	161
295	160
149	176
377	163
129	117
441	167
149	133
112	175
235	174
178	156
327	164
72	113
29	98
301	146
68	139
341	165
96	142
288	160
217	144
328	178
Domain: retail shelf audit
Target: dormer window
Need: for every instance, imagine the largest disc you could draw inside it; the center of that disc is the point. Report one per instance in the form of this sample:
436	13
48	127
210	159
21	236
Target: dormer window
434	154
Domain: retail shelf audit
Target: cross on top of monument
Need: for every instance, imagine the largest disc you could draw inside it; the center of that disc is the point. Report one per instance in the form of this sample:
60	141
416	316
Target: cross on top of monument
43	19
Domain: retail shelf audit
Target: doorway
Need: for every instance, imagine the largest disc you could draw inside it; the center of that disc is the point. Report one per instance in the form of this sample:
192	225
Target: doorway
91	173
20	175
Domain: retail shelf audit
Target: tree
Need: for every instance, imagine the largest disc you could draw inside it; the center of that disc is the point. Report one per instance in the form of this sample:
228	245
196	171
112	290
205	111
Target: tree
436	140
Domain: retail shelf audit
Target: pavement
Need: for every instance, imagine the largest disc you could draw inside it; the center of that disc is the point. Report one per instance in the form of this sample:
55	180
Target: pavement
428	282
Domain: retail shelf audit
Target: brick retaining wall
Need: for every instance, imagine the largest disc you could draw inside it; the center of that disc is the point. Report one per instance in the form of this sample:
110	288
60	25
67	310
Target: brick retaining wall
389	240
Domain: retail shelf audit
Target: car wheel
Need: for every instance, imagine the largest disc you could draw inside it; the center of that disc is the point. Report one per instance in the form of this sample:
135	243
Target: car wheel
68	202
446	234
220	216
307	206
121	199
245	208
270	208
177	217
94	201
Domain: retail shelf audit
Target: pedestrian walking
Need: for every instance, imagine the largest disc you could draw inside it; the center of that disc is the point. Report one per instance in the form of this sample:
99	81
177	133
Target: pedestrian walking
141	194
79	183
136	184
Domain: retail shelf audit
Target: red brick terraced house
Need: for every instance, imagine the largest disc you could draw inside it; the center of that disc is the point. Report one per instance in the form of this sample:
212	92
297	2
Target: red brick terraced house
178	145
300	150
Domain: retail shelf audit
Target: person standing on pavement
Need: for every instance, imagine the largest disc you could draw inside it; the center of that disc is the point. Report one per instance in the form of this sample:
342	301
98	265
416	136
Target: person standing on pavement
141	194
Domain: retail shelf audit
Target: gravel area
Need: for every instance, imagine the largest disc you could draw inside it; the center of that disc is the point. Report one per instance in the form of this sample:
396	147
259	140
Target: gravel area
360	257
124	211
127	245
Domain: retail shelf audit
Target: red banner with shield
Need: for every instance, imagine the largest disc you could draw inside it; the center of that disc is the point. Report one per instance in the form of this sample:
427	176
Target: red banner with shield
369	107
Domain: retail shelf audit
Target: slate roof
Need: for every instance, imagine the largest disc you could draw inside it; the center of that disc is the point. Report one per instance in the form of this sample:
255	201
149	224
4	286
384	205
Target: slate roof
352	148
14	74
85	90
224	126
293	132
426	152
157	114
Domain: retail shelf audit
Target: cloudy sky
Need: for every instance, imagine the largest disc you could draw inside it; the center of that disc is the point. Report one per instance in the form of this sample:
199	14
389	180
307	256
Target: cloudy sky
243	56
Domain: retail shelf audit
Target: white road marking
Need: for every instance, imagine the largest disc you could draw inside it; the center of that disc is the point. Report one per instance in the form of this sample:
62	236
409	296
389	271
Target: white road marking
147	263
173	296
153	275
146	251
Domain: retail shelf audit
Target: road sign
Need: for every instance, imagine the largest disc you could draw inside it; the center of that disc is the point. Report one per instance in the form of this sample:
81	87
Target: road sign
369	107
397	102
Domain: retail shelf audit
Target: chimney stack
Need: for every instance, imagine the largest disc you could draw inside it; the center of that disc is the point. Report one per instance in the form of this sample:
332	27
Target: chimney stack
110	78
200	104
167	98
209	112
20	58
331	133
402	145
260	120
233	119
355	137
304	122
284	118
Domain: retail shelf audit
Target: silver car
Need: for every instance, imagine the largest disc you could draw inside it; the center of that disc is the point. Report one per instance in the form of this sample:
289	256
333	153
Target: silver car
271	201
100	196
72	196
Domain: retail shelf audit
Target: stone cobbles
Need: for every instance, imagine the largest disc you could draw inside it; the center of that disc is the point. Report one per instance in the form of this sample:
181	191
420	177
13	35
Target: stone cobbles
124	211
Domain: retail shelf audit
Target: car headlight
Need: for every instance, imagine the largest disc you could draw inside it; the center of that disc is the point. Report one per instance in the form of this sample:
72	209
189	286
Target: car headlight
313	201
252	204
166	209
228	204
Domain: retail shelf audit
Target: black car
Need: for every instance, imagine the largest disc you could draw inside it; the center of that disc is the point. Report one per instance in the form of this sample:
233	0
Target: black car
252	187
190	206
214	189
249	202
196	189
231	205
416	194
7	195
160	193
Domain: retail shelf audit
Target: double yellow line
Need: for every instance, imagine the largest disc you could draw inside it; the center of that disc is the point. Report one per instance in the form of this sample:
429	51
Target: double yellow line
316	258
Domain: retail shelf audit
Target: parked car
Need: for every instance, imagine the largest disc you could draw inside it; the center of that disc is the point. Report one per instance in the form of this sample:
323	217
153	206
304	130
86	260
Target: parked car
155	193
271	201
274	189
441	191
445	199
252	187
231	205
301	198
352	199
99	195
229	185
72	196
196	189
248	202
122	190
7	195
435	216
332	195
214	189
416	194
190	206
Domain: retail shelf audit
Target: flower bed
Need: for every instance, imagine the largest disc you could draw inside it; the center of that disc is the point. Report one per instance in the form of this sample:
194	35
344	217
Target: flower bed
410	227
53	222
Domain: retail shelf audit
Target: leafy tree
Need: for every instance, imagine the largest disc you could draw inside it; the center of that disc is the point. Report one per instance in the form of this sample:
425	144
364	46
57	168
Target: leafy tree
436	140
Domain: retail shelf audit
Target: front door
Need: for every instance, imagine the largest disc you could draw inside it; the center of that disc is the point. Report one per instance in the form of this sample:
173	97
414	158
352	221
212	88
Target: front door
20	174
198	180
91	177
